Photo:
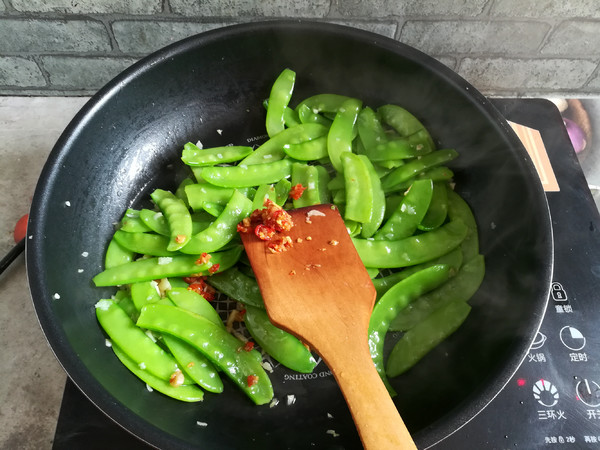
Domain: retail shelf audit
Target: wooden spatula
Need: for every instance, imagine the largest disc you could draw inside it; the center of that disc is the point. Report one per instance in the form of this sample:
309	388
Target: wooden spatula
320	291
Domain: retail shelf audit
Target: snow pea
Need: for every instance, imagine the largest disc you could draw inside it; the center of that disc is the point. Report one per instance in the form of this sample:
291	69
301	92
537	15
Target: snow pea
194	156
323	177
163	267
425	336
220	347
123	299
358	187
393	301
194	364
378	206
410	169
144	292
290	117
405	123
244	175
116	254
281	93
307	176
194	302
155	220
199	194
180	191
223	229
238	286
183	393
438	208
341	132
134	342
409	213
307	115
411	250
177	216
453	260
132	223
273	149
279	344
458	208
312	150
263	192
460	287
144	243
327	103
282	191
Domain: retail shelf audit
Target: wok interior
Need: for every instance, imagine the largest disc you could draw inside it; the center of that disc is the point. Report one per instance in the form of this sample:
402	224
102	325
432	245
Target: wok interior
127	141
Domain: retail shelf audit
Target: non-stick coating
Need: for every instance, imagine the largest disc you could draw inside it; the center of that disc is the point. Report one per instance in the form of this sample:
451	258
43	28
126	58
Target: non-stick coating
127	140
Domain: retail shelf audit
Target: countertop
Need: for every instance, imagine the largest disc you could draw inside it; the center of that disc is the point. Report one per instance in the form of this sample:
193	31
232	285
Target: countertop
32	379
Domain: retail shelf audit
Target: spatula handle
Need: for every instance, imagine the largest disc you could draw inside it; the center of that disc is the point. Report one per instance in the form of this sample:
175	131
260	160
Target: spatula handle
378	422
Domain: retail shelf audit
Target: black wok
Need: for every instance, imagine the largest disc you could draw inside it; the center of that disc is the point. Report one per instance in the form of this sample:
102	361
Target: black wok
126	141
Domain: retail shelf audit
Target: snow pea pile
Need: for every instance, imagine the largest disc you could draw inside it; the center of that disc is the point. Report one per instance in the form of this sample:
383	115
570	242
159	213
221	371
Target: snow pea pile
416	236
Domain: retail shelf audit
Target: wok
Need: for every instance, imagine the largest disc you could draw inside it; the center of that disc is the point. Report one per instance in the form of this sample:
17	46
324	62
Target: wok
126	141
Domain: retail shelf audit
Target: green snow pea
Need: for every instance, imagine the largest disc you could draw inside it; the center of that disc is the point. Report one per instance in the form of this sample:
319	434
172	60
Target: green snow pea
134	342
194	302
358	187
370	130
281	93
290	117
132	223
238	286
453	260
312	150
264	192
405	123
458	208
323	177
416	166
378	206
425	336
123	299
223	229
393	301
460	287
273	149
438	208
155	220
341	132
194	156
282	191
411	250
177	216
199	194
144	243
180	191
144	292
194	364
116	254
326	103
409	213
279	344
220	347
244	175
307	176
184	393
307	115
164	267
440	173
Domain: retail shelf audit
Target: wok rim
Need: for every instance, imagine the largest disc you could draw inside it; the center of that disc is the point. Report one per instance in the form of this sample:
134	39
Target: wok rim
56	337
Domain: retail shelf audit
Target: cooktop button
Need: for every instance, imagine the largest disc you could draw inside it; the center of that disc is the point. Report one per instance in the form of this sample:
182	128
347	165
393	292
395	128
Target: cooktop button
545	393
572	338
588	392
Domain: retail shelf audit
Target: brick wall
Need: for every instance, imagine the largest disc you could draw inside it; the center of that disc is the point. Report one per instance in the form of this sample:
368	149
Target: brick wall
503	47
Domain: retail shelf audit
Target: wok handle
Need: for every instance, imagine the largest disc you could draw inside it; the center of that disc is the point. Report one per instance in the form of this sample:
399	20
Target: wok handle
375	415
12	255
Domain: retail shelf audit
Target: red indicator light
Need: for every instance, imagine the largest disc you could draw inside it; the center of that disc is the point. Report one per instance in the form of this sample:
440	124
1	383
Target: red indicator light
521	382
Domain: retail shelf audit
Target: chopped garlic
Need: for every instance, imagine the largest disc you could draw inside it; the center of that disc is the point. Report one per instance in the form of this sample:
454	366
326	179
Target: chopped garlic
104	305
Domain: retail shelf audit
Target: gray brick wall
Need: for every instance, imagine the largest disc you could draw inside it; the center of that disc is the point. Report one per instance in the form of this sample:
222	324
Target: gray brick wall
503	47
